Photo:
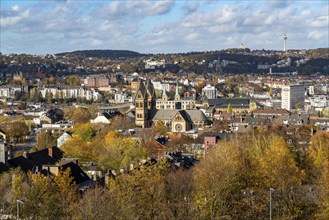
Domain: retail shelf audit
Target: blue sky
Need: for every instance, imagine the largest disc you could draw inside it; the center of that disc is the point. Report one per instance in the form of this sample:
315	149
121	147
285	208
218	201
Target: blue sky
41	27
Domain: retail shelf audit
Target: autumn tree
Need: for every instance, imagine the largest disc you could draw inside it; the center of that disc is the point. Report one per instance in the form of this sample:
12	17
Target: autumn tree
160	128
120	152
80	115
121	123
318	154
48	196
46	139
217	183
179	188
323	211
141	193
96	203
84	131
16	130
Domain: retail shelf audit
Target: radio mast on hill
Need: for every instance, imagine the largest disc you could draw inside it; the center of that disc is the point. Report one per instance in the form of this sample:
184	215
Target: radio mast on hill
284	42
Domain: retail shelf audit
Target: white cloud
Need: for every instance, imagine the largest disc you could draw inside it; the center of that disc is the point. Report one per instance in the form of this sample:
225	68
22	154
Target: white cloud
191	7
15	8
142	25
316	35
160	7
12	20
320	22
96	42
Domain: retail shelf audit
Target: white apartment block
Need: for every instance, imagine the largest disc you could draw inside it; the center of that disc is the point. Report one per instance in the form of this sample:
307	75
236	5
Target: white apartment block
209	91
157	85
71	92
291	96
9	92
319	101
120	97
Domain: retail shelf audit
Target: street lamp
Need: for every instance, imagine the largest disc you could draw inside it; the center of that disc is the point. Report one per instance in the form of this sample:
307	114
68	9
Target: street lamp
271	189
18	202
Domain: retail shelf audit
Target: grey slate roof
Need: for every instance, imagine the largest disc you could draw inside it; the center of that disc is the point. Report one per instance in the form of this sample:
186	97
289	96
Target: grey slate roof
223	103
163	114
196	115
168	114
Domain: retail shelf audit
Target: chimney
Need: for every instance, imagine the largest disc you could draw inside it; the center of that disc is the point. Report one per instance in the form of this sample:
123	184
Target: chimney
50	151
26	154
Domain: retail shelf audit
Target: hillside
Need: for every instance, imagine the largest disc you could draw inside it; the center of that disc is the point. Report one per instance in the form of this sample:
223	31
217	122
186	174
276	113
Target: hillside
110	54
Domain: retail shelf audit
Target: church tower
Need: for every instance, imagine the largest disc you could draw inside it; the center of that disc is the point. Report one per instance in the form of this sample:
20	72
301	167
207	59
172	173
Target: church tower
177	96
151	96
145	100
164	94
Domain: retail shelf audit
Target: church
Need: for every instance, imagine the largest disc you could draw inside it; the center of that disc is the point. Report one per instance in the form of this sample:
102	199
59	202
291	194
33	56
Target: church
177	120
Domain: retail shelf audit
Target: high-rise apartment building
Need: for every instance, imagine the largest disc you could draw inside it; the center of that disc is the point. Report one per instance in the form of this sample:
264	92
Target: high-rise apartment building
293	97
209	91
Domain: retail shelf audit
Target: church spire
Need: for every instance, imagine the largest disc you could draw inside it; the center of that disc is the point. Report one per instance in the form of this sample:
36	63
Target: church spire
164	94
177	96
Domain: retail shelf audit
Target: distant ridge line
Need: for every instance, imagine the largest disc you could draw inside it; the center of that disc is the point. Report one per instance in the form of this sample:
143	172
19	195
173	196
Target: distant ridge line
114	54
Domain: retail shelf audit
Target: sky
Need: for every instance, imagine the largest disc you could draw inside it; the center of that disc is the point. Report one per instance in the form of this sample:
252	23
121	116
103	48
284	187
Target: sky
52	26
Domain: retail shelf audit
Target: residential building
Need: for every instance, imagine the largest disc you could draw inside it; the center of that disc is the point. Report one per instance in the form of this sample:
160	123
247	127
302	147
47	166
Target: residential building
3	147
120	97
293	96
209	91
238	105
103	118
62	139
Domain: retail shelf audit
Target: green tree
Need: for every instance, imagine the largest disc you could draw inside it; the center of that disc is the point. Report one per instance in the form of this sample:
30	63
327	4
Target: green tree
229	108
298	105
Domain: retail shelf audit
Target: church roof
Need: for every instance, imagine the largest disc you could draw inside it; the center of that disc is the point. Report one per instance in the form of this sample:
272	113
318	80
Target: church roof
163	114
169	114
196	115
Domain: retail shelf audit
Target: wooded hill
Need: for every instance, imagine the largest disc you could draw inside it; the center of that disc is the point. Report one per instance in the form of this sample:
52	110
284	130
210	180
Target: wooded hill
111	54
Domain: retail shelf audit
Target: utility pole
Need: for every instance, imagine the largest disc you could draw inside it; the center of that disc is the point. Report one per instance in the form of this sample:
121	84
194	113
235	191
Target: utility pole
18	202
271	189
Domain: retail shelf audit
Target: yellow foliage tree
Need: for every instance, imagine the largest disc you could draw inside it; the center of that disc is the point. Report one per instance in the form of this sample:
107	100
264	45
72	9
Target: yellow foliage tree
110	136
279	166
